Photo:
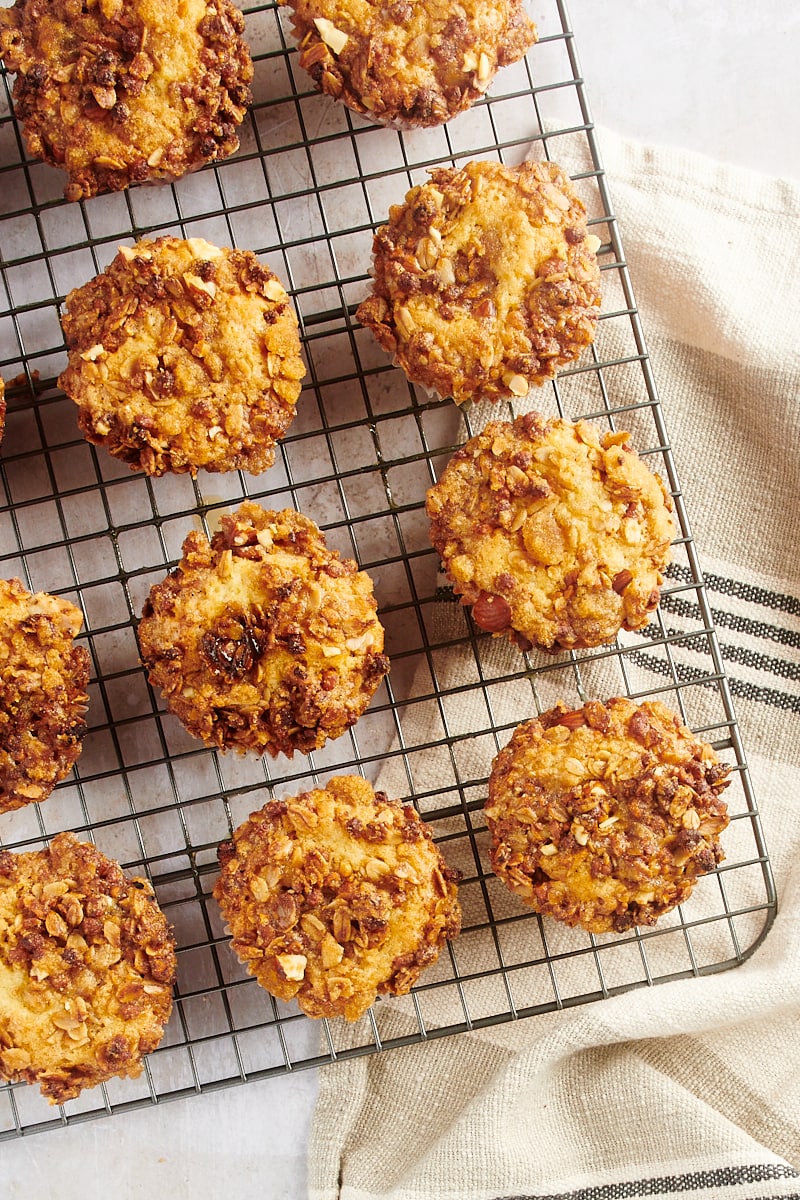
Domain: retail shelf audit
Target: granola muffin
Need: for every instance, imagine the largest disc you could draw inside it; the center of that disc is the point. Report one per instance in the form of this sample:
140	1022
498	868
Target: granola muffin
263	639
405	64
555	534
605	816
183	355
2	407
87	964
43	699
335	896
485	280
116	92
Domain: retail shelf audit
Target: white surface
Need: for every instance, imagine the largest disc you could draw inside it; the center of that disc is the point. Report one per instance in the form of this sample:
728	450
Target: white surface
718	79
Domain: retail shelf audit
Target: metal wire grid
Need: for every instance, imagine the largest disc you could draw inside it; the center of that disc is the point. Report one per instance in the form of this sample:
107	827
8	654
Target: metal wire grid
306	191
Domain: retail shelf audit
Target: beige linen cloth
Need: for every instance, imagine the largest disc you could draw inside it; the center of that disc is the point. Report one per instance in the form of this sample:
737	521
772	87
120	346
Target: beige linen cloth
689	1088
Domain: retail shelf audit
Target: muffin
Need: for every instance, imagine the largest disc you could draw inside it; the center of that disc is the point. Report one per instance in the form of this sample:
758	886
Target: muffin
87	964
43	699
404	64
485	280
183	355
335	896
605	816
263	639
2	408
121	91
555	534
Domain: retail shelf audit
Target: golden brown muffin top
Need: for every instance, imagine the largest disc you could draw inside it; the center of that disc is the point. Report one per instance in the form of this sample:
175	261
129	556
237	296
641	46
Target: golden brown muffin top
120	91
263	639
409	64
604	816
485	280
555	534
87	964
43	699
335	896
183	355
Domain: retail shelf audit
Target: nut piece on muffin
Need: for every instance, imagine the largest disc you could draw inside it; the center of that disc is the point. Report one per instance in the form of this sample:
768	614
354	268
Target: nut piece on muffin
183	355
605	816
485	280
43	699
335	896
263	639
409	64
117	92
87	964
554	533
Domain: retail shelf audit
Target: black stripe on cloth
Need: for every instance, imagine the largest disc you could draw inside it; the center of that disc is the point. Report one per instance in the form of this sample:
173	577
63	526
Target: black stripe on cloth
666	1185
748	592
760	629
736	654
739	687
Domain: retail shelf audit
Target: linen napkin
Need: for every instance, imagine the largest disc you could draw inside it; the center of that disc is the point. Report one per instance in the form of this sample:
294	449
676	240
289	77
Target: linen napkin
689	1088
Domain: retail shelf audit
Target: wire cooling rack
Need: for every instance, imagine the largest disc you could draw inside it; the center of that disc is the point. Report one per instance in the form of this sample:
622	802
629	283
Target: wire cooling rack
305	192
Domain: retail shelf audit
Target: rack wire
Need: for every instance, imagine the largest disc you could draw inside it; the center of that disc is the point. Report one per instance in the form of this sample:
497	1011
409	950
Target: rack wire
306	190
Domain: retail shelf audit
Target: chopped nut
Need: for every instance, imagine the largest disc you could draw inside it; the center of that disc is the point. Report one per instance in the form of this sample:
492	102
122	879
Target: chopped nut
331	952
580	834
548	849
93	353
335	38
516	384
293	966
259	888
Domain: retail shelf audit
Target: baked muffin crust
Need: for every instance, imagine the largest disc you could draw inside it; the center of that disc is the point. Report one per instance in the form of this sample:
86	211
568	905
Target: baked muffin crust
263	639
116	92
409	64
606	815
87	964
183	355
485	280
555	534
335	896
43	699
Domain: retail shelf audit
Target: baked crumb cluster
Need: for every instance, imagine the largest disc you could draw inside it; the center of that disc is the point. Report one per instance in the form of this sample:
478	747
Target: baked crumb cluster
262	638
116	92
409	64
554	533
485	280
183	356
335	896
606	815
43	698
87	963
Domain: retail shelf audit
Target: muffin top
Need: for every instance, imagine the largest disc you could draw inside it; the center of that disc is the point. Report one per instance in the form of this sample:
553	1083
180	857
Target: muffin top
121	91
405	64
485	280
183	356
605	816
554	533
262	638
335	896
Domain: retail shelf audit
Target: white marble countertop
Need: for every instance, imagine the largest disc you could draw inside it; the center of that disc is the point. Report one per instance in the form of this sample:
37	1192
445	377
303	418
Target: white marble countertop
718	79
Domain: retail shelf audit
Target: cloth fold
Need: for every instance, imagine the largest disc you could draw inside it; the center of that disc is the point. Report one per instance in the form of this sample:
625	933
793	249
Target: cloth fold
690	1087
